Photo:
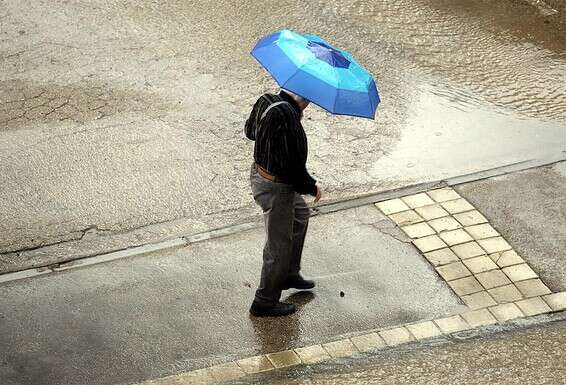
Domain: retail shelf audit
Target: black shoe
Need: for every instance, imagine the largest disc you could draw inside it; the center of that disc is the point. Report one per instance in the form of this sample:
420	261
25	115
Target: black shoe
298	282
278	310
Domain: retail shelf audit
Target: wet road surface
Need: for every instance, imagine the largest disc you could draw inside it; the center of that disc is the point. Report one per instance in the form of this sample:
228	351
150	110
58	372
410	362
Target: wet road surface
183	309
529	356
114	116
528	209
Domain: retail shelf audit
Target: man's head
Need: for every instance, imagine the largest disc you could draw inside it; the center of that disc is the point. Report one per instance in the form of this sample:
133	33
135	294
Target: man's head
301	102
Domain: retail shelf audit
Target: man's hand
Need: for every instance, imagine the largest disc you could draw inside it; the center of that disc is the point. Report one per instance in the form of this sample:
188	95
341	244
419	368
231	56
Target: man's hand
318	194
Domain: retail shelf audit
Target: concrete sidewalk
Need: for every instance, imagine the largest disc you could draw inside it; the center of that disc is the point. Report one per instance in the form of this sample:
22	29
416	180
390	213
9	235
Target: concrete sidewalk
512	355
424	265
168	312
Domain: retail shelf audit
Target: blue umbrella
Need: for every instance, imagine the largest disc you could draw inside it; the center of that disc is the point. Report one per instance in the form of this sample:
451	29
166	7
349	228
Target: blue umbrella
312	68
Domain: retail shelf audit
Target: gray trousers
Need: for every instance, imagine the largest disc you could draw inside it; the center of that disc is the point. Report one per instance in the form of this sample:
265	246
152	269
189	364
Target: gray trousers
286	218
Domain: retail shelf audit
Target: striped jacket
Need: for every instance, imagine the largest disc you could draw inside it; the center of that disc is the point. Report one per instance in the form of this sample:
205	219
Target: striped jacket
280	141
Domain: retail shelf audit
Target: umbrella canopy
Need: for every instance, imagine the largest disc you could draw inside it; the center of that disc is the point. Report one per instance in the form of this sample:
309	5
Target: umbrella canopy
325	75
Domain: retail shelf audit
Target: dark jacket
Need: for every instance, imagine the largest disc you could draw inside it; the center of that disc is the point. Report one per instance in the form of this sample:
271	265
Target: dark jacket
280	141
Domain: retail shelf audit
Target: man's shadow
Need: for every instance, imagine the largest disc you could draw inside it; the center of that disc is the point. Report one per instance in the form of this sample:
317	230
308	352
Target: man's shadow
276	334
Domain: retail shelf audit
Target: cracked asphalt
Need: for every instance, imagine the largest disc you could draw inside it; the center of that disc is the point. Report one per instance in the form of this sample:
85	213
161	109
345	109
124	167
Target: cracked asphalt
121	122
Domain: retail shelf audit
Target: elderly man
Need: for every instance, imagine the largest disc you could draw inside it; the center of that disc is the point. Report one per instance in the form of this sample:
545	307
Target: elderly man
279	178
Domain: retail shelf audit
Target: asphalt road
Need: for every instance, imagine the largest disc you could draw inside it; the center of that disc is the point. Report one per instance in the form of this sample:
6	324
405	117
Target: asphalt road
118	115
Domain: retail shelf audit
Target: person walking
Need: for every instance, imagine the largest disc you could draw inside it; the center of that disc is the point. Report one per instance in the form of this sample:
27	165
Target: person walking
278	180
307	68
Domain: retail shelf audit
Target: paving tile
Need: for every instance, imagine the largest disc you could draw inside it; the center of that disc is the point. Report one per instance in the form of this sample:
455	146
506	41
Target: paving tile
453	271
470	218
556	301
455	237
444	224
479	300
468	250
255	364
431	212
465	286
533	306
480	264
417	200
441	257
368	342
451	324
424	330
477	318
226	372
392	206
532	288
404	218
519	272
284	359
418	230
506	312
481	231
312	354
493	278
457	206
443	194
396	336
507	293
493	245
194	377
506	258
430	243
495	256
342	348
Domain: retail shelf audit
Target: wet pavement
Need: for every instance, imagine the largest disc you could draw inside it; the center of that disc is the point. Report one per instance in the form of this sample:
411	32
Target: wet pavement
117	116
121	124
174	311
184	309
513	357
529	209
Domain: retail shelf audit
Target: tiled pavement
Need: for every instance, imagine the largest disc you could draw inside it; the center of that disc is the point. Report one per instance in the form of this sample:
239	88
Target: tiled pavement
480	266
475	260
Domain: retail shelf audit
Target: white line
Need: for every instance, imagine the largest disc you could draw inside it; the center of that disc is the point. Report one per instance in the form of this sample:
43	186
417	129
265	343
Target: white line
134	251
24	274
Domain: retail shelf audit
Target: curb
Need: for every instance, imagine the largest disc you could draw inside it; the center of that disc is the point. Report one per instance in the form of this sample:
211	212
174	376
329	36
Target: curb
353	346
484	271
323	209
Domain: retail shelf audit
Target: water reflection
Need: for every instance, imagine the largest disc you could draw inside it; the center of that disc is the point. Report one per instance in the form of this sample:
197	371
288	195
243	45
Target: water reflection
505	52
492	71
448	126
278	334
